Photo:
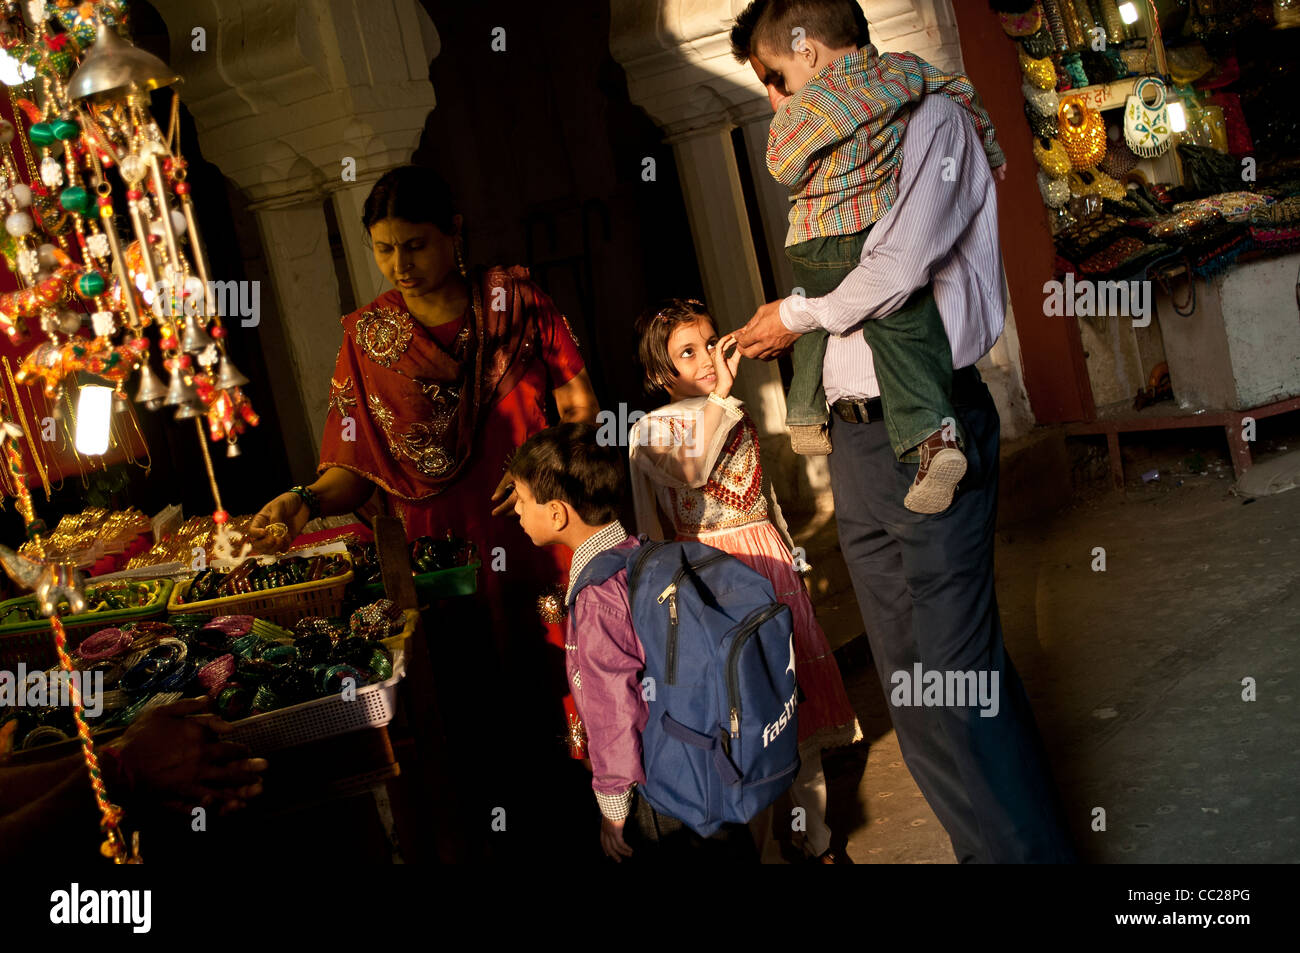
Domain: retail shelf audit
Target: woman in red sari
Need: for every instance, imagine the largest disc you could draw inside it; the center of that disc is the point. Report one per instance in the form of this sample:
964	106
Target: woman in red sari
437	381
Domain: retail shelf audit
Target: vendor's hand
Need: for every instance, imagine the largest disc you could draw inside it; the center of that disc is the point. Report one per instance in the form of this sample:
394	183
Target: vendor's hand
172	755
611	840
1000	173
287	508
505	490
765	336
726	367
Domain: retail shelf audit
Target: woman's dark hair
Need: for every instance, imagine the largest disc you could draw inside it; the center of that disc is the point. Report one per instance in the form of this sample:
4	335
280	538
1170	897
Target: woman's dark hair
412	193
568	463
653	329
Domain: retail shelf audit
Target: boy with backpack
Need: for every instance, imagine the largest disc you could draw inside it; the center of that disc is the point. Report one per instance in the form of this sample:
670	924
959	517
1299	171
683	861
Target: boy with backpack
670	727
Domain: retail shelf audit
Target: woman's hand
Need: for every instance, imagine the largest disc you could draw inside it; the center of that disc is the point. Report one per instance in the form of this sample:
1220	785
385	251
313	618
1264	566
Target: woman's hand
289	509
726	367
506	489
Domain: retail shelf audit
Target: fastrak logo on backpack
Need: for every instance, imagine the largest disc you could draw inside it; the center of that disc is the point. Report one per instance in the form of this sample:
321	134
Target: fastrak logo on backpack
787	716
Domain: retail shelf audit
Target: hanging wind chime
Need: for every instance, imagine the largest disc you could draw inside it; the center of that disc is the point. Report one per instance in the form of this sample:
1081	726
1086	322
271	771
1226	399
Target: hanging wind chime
87	105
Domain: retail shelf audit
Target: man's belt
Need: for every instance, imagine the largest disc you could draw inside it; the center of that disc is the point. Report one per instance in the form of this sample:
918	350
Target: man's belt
859	411
966	385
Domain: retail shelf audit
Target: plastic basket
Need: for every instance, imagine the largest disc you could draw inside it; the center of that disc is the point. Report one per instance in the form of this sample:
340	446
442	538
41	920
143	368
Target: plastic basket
327	717
33	642
457	581
283	606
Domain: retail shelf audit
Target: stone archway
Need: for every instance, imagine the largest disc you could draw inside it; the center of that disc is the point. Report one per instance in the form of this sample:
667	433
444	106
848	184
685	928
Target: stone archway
283	93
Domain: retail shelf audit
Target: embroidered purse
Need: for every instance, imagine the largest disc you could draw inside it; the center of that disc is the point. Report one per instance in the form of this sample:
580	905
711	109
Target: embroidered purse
1045	102
1042	126
1022	24
1052	157
1038	44
1039	73
1056	192
1083	132
1146	127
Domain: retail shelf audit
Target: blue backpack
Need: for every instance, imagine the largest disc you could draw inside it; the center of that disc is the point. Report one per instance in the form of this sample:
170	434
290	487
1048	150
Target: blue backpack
721	742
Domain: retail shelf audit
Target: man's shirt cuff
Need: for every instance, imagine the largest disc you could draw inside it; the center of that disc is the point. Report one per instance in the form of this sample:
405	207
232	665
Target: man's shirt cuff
615	807
799	315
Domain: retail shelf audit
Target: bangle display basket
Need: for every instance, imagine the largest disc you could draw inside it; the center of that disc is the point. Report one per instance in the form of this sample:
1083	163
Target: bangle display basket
373	707
33	642
284	605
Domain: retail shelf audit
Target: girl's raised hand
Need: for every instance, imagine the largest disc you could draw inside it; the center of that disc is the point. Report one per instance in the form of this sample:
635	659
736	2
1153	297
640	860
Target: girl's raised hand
726	366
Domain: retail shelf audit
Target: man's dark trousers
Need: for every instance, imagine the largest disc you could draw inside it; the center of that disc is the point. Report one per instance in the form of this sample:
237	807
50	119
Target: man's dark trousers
925	588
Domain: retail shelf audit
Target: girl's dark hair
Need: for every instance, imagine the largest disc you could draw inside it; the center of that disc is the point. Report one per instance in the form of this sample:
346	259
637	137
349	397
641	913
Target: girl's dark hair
653	329
569	463
412	193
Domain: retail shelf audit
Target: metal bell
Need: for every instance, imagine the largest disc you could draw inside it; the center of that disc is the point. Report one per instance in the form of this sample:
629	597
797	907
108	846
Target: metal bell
194	338
112	66
151	388
179	392
228	376
186	411
232	449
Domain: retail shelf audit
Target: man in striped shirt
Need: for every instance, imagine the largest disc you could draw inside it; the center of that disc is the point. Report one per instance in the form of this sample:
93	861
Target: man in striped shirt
924	584
834	142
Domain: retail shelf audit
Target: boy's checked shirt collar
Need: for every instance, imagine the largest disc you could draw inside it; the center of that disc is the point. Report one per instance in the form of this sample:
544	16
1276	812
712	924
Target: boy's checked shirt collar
607	537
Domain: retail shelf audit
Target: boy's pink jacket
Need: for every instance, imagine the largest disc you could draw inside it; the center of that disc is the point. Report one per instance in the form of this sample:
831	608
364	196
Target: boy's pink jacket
605	659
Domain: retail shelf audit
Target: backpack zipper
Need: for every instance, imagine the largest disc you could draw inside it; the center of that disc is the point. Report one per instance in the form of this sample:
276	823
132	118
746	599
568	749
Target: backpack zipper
670	593
747	628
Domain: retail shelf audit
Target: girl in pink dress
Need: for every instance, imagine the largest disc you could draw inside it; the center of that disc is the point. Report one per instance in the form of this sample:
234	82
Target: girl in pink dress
695	462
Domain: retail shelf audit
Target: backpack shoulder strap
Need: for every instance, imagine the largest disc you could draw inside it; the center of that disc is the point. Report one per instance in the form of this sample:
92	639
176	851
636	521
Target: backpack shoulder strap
601	567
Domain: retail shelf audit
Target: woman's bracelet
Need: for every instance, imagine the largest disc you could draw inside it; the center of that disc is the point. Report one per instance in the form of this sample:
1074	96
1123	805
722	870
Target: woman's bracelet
310	498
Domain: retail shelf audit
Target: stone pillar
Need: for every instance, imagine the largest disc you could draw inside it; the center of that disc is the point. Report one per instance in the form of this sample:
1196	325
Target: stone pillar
367	282
706	162
298	254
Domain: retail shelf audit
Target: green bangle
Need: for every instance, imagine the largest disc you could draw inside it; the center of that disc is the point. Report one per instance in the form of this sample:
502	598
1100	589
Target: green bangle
310	498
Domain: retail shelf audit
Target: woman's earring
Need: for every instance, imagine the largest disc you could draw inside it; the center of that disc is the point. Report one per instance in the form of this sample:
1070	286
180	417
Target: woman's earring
460	256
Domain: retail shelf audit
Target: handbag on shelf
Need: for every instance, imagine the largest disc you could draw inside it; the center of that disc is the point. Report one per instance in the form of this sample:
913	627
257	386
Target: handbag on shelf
1022	24
1184	226
1056	192
1041	74
1083	132
1096	182
1038	44
1045	102
1119	160
1041	126
1233	206
1146	125
1052	157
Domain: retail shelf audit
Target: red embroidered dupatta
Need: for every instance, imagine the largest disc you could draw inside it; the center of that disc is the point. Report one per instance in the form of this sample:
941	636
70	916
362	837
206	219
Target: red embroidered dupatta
404	411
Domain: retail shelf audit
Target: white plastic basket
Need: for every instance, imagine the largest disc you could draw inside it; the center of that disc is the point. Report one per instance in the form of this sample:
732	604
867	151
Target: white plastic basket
320	718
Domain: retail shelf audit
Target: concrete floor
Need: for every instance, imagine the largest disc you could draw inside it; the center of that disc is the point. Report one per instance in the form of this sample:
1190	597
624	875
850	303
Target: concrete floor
1135	674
